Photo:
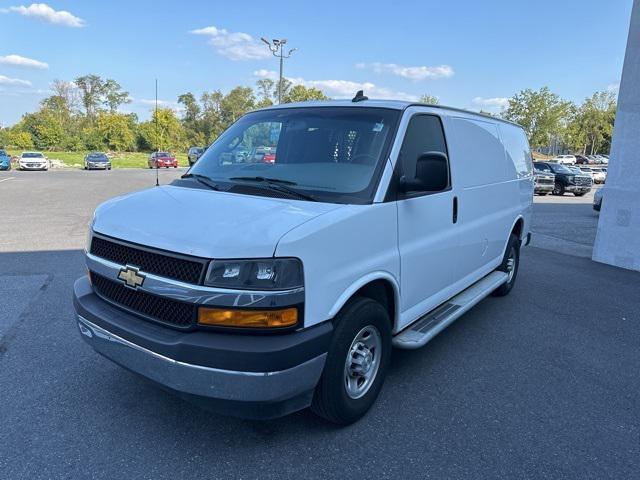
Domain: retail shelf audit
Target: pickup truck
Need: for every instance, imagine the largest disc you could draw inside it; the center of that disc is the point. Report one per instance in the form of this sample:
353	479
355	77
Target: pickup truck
544	182
566	180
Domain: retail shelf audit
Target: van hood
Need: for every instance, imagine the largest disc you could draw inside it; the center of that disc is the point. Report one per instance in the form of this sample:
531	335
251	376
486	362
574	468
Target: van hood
204	223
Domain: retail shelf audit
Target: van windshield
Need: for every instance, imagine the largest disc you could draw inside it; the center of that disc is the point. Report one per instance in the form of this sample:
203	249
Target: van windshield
332	154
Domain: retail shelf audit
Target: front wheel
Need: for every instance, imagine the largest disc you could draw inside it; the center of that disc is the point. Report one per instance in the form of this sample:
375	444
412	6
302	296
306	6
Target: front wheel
510	265
356	363
558	189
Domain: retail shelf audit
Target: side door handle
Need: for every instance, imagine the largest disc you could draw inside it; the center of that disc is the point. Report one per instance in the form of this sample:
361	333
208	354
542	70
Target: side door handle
455	209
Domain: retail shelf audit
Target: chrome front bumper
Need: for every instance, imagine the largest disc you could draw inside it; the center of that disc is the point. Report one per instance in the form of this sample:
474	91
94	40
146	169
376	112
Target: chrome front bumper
263	387
577	188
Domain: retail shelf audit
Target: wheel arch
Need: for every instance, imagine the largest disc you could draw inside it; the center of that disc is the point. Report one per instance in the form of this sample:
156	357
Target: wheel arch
517	228
380	286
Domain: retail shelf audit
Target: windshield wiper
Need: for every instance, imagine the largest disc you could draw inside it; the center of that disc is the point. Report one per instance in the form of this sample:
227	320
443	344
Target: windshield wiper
203	179
277	184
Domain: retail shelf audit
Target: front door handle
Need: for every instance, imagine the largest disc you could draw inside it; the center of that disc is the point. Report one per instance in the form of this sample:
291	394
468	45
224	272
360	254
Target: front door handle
455	209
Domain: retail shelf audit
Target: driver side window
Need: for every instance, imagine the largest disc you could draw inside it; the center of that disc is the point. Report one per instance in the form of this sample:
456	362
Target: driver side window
424	134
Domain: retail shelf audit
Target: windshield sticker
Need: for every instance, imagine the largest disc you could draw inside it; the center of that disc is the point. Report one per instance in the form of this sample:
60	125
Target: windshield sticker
378	127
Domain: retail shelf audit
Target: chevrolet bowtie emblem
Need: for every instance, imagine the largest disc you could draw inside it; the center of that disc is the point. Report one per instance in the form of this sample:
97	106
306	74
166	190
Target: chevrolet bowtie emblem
131	277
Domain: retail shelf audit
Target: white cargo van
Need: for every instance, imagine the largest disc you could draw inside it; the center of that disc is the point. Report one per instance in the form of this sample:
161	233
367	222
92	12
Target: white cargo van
262	287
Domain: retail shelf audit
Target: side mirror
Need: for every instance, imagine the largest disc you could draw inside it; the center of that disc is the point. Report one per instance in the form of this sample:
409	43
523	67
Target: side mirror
432	174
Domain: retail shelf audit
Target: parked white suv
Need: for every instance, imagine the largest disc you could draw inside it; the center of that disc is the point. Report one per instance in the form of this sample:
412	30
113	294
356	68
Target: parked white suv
264	288
565	159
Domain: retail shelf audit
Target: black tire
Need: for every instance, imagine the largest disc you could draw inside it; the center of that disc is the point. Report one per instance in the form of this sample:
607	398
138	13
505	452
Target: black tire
579	194
331	400
512	251
558	189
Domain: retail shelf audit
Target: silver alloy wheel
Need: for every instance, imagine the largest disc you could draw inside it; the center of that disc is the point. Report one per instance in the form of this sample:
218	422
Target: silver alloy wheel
511	264
363	362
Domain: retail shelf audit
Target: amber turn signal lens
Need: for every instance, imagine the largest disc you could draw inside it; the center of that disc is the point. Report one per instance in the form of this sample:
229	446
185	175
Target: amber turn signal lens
248	318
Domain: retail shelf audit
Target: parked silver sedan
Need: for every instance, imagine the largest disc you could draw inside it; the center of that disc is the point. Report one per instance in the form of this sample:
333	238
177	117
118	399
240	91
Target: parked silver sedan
97	160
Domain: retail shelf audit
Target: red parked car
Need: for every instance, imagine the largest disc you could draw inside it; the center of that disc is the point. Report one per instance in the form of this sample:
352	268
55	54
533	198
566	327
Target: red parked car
162	159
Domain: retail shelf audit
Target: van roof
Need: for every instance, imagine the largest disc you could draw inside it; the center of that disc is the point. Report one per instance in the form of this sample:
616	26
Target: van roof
392	104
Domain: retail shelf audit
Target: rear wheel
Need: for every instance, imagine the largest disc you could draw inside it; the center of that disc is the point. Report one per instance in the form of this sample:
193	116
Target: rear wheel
510	265
356	363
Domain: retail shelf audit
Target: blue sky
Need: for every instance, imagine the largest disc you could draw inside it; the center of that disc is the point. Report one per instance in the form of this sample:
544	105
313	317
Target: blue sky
470	54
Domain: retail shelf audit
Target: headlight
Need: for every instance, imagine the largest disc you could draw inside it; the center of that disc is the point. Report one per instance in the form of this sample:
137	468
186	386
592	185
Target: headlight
87	247
257	274
570	178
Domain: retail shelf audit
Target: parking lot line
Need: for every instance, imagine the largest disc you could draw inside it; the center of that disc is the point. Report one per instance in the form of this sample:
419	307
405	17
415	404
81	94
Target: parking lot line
5	179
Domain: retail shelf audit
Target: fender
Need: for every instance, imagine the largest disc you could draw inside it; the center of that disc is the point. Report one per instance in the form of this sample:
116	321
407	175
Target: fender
361	282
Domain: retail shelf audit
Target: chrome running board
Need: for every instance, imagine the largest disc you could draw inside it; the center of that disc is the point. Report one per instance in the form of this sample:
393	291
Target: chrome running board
425	328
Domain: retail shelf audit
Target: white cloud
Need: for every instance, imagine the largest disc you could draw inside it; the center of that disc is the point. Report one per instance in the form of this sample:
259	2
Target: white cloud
44	12
19	92
18	61
150	102
234	45
14	82
494	102
263	73
412	73
342	88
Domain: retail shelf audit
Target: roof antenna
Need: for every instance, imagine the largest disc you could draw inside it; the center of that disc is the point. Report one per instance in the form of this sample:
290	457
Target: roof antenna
359	97
157	138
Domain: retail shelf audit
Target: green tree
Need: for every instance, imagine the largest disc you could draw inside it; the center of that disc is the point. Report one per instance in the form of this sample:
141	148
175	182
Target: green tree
541	113
191	118
92	90
429	99
591	125
266	92
47	130
235	104
211	121
19	139
115	131
113	95
300	93
166	134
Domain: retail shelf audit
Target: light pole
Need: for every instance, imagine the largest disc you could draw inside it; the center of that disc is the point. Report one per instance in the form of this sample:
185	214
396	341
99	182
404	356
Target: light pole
277	48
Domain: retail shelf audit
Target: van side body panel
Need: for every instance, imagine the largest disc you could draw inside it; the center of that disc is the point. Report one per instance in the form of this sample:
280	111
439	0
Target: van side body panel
492	192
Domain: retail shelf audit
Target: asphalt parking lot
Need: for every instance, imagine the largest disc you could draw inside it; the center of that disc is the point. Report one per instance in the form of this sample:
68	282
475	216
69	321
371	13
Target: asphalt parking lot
542	383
